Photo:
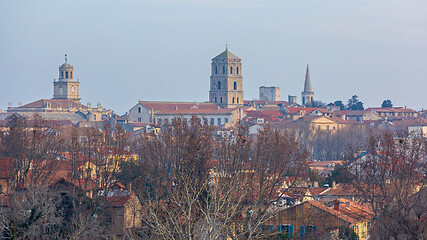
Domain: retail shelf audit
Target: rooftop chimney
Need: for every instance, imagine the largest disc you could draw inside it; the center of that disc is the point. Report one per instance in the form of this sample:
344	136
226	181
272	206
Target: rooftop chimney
315	184
337	205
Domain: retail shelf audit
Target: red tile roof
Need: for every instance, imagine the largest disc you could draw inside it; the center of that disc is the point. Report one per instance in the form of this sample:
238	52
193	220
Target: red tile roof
55	103
195	111
394	109
119	200
308	110
263	102
167	106
418	121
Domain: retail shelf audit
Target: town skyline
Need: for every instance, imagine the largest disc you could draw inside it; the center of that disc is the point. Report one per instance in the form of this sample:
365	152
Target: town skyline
166	57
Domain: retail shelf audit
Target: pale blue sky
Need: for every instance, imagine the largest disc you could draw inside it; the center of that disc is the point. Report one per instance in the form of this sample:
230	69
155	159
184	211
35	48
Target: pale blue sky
129	50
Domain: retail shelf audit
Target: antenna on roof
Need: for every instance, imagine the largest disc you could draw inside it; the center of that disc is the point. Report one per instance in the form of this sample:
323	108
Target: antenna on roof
65	58
226	47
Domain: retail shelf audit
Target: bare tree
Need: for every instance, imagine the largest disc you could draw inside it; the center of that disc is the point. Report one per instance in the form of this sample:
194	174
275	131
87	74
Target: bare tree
391	177
195	185
33	146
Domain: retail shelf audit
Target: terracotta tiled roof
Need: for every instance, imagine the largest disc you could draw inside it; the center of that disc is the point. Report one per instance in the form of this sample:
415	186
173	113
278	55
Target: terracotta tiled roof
339	120
54	103
167	106
262	102
418	121
308	110
353	214
118	200
394	109
350	112
197	111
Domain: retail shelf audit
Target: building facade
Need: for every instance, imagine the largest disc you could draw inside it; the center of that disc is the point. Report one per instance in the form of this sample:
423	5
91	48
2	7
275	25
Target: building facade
269	93
65	104
226	82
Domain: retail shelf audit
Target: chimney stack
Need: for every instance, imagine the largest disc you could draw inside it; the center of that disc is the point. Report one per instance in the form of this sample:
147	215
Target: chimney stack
337	205
316	184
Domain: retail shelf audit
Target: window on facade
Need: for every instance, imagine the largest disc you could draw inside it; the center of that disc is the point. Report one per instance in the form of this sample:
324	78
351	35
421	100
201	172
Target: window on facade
237	100
220	99
62	74
223	70
233	99
71	74
219	85
216	100
139	119
333	127
231	70
235	85
219	121
94	117
212	121
225	120
237	70
216	70
327	128
287	229
307	230
139	109
66	74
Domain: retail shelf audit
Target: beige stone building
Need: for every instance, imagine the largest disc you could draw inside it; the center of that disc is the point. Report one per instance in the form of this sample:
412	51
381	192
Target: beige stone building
226	83
65	104
161	112
269	93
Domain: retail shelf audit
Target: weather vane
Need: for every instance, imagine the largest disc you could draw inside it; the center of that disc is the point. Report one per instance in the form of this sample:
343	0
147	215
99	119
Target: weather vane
65	57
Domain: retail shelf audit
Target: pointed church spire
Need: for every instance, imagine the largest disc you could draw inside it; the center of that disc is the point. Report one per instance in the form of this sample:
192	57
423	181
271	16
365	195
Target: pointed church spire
307	84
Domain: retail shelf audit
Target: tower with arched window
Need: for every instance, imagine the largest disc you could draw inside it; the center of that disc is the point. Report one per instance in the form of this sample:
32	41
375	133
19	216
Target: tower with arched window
66	87
226	86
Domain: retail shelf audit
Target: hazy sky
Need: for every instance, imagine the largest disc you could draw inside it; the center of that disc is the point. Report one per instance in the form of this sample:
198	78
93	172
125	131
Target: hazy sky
129	50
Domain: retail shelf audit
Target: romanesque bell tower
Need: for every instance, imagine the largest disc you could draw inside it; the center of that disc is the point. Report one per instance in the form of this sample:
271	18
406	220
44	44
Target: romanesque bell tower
226	87
66	87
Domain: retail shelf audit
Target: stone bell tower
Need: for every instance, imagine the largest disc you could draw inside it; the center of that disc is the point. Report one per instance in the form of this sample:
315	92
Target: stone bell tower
226	85
66	87
307	95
